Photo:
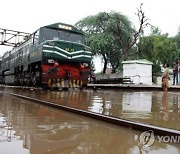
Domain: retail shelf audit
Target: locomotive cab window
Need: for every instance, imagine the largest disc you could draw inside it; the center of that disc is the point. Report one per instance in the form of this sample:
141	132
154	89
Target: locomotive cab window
56	34
36	37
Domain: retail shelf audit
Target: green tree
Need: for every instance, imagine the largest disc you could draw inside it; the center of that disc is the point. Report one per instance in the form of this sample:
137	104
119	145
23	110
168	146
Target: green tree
111	35
98	35
177	40
158	48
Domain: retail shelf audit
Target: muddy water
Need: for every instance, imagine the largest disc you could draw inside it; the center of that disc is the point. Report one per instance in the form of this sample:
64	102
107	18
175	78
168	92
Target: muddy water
156	108
30	128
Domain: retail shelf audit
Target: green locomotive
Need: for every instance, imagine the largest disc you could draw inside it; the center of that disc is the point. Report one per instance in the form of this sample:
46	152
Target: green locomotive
53	56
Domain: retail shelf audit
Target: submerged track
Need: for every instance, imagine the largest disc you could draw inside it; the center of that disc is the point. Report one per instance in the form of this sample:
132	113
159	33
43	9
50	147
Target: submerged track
110	119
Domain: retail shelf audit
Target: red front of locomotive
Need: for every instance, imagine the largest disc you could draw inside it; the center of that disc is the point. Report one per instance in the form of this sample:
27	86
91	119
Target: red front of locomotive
61	74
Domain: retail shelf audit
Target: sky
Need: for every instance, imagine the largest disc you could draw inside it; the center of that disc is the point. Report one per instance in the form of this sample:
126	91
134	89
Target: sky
29	15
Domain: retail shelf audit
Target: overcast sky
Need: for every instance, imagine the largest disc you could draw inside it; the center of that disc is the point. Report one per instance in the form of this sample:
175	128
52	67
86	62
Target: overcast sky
27	16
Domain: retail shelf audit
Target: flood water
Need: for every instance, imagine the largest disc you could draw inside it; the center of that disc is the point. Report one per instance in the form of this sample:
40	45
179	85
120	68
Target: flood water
31	128
151	107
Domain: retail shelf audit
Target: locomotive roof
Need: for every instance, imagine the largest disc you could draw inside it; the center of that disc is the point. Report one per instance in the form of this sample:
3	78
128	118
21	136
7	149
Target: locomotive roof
63	26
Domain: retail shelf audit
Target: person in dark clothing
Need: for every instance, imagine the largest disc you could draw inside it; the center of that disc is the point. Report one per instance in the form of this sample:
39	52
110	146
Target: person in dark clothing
178	71
175	73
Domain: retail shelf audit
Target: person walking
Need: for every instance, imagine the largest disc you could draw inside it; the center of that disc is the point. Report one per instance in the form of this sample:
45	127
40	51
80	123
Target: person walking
175	73
165	78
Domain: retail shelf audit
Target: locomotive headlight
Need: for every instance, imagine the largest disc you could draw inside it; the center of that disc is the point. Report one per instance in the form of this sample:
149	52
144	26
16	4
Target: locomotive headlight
60	26
65	27
70	28
85	64
51	61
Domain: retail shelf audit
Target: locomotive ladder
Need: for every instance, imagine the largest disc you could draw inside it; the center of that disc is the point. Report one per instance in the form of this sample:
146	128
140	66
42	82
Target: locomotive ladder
12	38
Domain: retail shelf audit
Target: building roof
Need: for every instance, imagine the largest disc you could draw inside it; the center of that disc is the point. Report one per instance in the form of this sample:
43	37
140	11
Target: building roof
139	61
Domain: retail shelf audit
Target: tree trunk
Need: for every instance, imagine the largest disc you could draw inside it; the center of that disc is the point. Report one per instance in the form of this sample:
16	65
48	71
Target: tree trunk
105	64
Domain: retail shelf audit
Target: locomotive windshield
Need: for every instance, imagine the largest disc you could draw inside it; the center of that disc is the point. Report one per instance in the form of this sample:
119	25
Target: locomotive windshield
52	34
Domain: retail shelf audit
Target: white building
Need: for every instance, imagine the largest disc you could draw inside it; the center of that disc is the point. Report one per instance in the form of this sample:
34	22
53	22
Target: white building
140	71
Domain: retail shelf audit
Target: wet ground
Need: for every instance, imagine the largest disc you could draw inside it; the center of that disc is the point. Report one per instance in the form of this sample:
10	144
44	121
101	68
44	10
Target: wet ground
151	107
30	128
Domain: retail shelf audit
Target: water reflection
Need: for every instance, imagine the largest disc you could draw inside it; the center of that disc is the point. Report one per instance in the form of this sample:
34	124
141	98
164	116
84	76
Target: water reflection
37	129
6	132
176	108
165	105
152	107
27	127
137	101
